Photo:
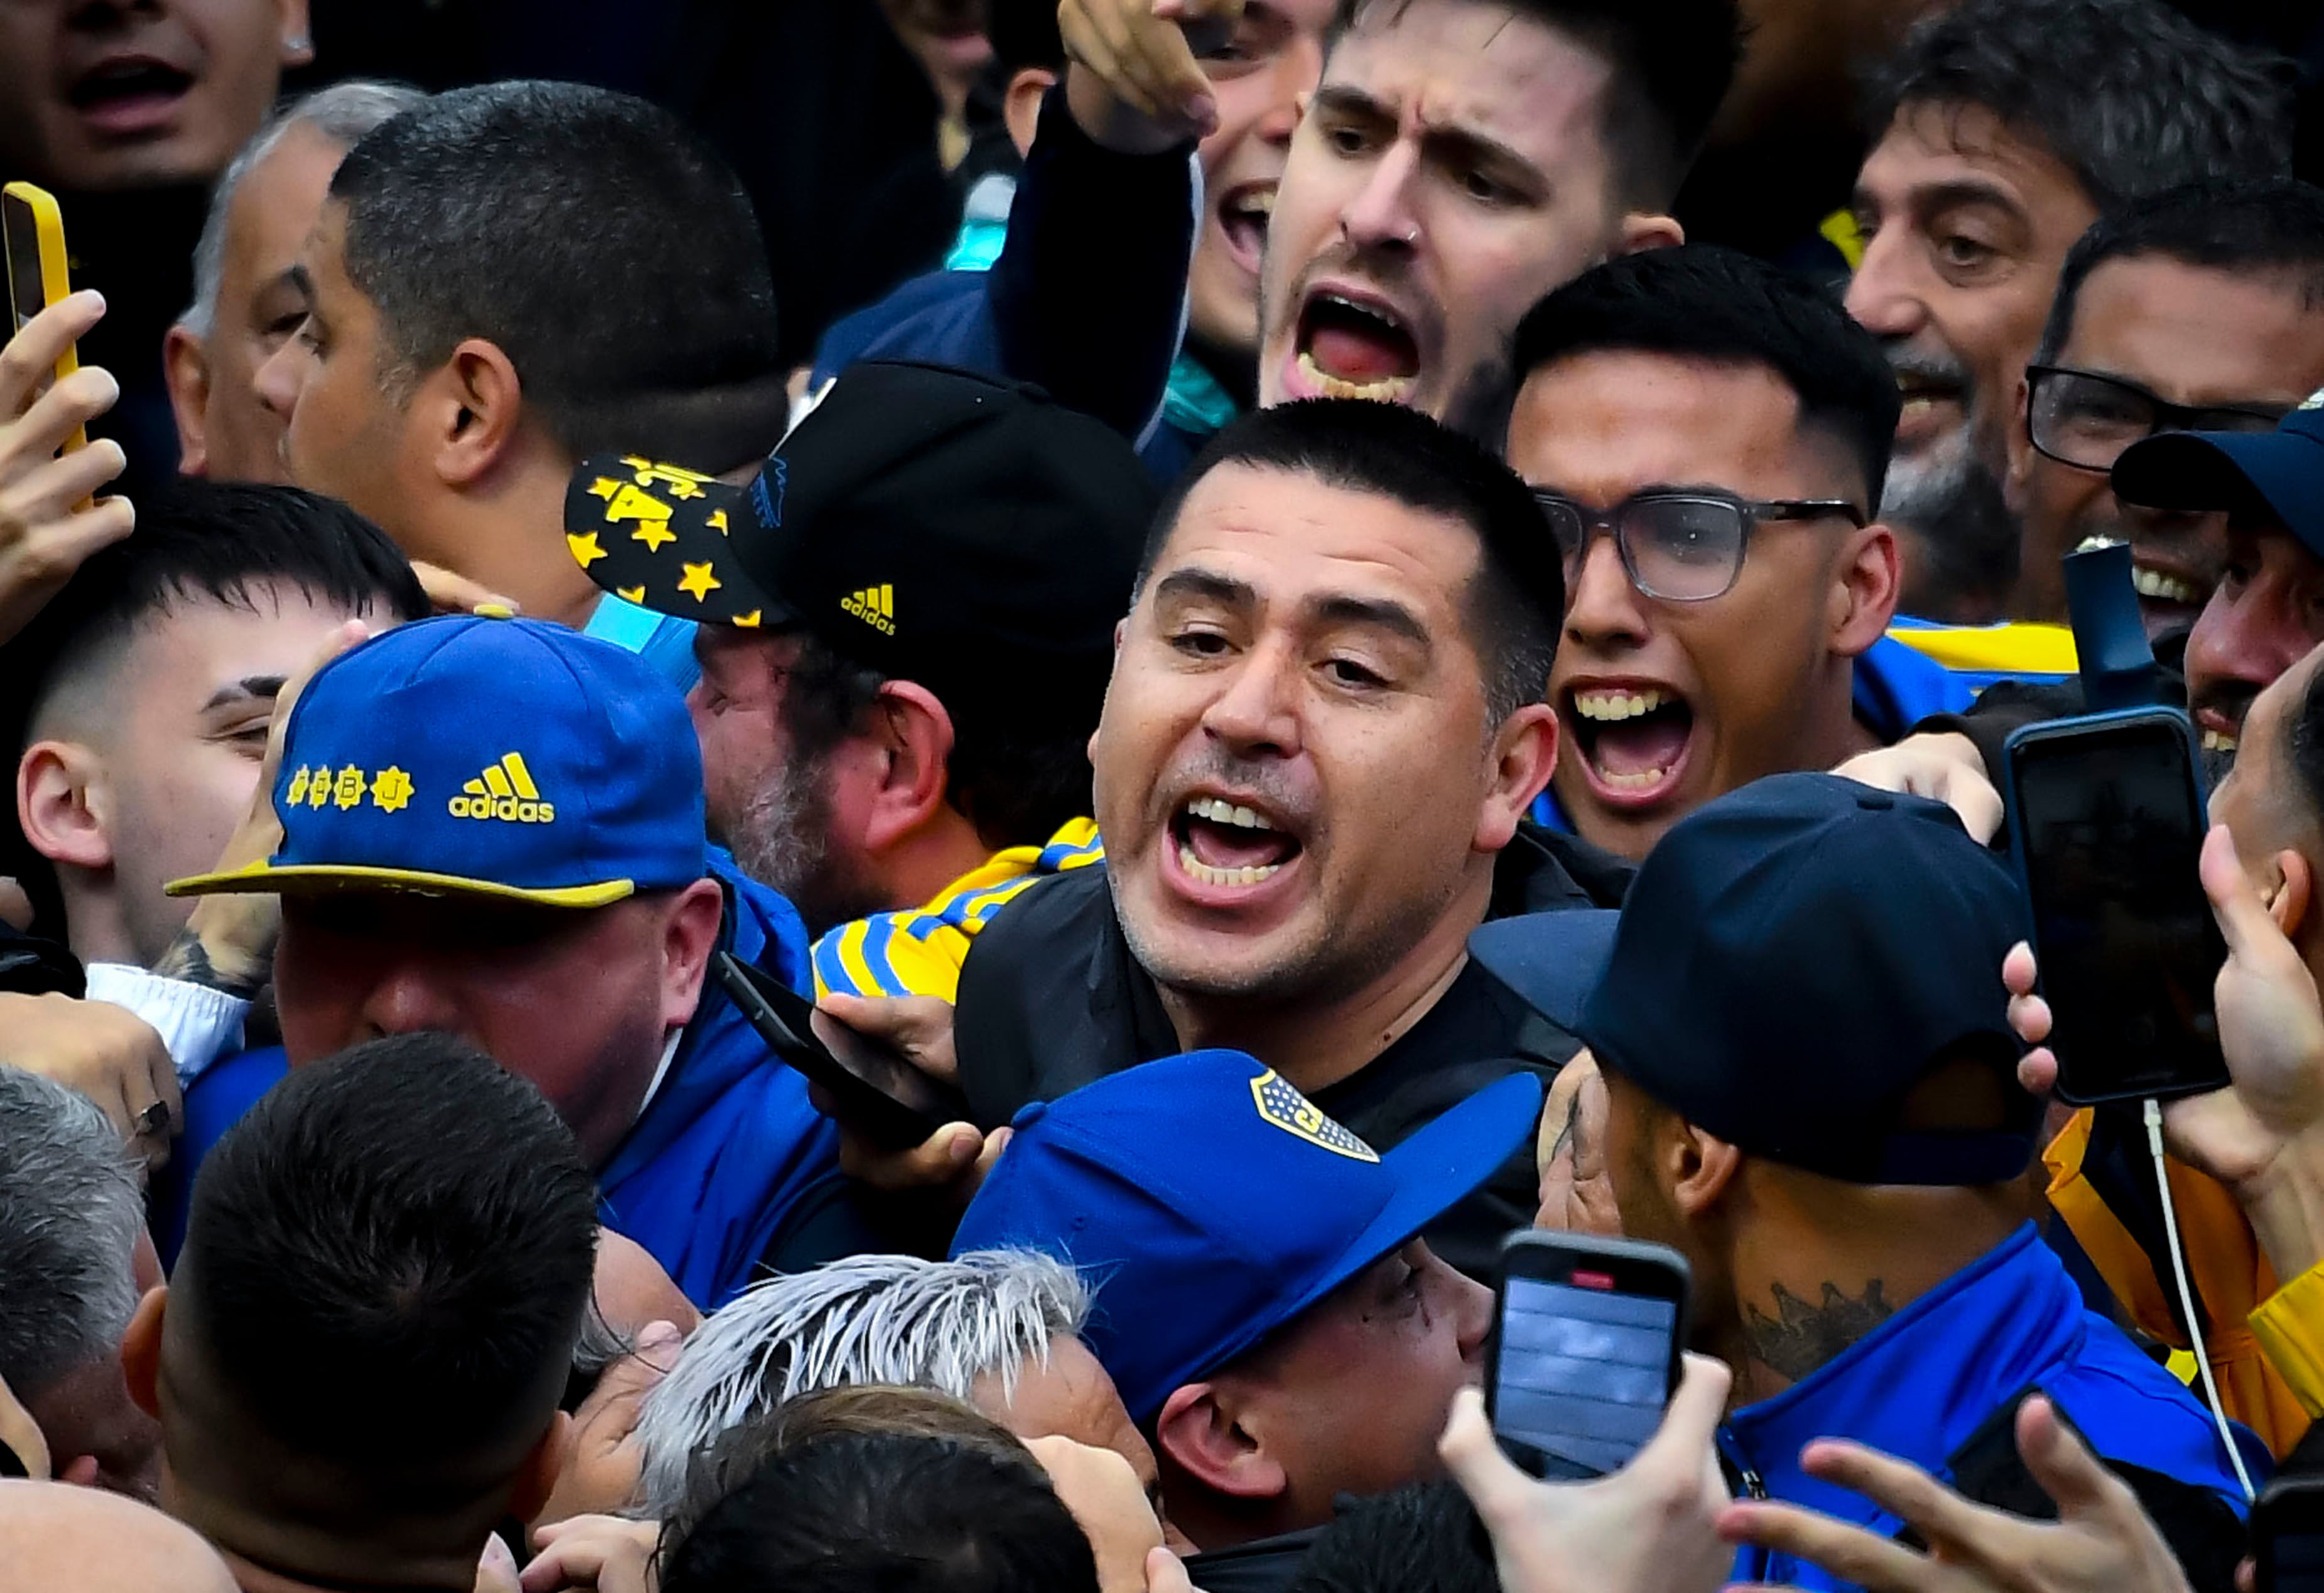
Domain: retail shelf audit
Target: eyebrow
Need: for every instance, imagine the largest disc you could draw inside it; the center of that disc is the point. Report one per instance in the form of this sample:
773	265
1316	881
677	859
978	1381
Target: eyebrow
301	279
1335	609
1441	140
1944	195
250	687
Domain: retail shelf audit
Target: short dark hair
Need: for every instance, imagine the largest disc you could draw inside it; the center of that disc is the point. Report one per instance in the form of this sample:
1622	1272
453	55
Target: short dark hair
1024	34
1702	301
196	542
1422	1538
605	249
387	1261
2304	740
2128	95
740	1452
1516	604
1017	778
886	1513
2272	227
1673	62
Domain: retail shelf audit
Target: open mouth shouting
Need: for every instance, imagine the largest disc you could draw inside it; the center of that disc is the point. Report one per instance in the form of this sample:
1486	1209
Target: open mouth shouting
1243	213
1224	852
124	96
2168	595
1634	740
1935	394
1353	344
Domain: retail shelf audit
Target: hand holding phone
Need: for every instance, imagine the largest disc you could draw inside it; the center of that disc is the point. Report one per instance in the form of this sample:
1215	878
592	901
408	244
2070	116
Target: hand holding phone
1587	1338
875	1091
2106	824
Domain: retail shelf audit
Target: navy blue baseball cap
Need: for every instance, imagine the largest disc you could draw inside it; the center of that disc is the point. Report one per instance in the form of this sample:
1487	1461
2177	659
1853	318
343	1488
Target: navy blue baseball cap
485	757
2279	473
1211	1203
1791	961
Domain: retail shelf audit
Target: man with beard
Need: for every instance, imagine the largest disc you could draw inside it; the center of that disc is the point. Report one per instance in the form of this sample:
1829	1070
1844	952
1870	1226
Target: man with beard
905	626
2010	126
2197	312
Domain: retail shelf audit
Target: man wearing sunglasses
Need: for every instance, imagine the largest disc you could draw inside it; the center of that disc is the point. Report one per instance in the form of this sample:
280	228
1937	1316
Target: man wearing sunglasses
2196	312
1706	436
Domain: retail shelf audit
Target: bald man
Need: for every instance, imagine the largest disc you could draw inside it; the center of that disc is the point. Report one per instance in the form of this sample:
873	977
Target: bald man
56	1538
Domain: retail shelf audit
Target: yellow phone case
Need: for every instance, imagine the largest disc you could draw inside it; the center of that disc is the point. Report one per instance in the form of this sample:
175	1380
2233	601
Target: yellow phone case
49	226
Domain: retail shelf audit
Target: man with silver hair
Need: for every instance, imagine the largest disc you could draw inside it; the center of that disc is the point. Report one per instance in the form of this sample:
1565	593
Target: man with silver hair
72	1225
999	1328
246	301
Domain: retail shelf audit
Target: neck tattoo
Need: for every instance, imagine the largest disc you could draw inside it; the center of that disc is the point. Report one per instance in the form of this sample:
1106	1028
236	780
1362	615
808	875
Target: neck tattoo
1807	1336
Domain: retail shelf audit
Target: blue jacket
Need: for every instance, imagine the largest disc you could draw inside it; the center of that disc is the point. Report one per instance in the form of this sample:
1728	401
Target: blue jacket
1086	298
1922	1383
727	1158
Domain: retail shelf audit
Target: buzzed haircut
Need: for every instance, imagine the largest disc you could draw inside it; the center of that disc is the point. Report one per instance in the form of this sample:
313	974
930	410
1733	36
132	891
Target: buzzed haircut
1516	604
2129	96
605	248
1702	301
1422	1538
886	1513
2304	738
1672	60
2269	228
387	1262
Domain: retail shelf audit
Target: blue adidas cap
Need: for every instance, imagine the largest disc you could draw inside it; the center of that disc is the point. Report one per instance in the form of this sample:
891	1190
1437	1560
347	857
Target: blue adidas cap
2279	473
499	758
1788	964
1211	1203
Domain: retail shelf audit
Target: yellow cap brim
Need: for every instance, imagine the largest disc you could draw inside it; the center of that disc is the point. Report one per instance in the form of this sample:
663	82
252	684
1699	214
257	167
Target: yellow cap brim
266	878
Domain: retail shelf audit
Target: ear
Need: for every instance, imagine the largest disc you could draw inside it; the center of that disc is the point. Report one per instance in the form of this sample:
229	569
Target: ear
1525	755
65	804
1020	105
298	35
914	735
185	372
473	407
1201	1438
140	1352
1701	1168
2289	906
2018	444
1642	230
536	1477
689	935
1864	594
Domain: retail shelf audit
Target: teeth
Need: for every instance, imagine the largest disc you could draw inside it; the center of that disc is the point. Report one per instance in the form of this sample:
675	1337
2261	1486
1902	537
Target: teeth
1202	873
2218	742
1610	705
2155	583
1391	390
1638	781
1261	203
1220	812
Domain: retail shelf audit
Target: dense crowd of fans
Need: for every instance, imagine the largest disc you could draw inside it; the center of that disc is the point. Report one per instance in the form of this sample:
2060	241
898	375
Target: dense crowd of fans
1343	628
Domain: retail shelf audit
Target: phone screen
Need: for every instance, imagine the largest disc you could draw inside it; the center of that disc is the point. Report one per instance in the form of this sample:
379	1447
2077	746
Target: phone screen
19	234
2299	1563
1583	1372
2288	1536
2112	829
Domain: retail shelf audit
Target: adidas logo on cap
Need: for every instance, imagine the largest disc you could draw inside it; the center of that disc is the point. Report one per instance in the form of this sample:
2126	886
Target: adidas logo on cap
875	606
504	791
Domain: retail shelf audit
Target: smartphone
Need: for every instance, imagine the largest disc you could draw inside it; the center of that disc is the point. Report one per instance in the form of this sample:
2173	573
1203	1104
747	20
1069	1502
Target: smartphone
2287	1534
33	237
1587	1334
877	1091
1207	35
2107	820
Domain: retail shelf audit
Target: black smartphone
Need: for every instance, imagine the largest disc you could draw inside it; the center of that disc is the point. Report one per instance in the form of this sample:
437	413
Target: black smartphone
876	1091
2287	1534
2107	820
1587	1334
1207	35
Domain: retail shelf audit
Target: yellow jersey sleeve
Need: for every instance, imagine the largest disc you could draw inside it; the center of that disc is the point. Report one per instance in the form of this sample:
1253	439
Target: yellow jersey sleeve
2290	1327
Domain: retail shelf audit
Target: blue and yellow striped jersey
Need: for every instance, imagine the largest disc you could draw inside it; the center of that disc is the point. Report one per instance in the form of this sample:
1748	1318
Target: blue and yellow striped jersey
919	952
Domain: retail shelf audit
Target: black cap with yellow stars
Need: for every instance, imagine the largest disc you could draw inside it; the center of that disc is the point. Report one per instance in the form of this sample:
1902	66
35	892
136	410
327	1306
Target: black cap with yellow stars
934	525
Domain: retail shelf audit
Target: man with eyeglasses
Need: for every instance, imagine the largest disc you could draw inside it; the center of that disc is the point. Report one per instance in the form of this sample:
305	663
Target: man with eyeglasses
1706	436
2196	312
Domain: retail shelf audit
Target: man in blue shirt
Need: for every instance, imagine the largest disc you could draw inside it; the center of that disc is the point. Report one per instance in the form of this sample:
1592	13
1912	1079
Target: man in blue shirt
1811	1093
493	828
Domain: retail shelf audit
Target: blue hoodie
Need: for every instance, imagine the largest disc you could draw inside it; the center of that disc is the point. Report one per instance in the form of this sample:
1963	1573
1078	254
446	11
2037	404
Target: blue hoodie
726	1154
1922	1383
